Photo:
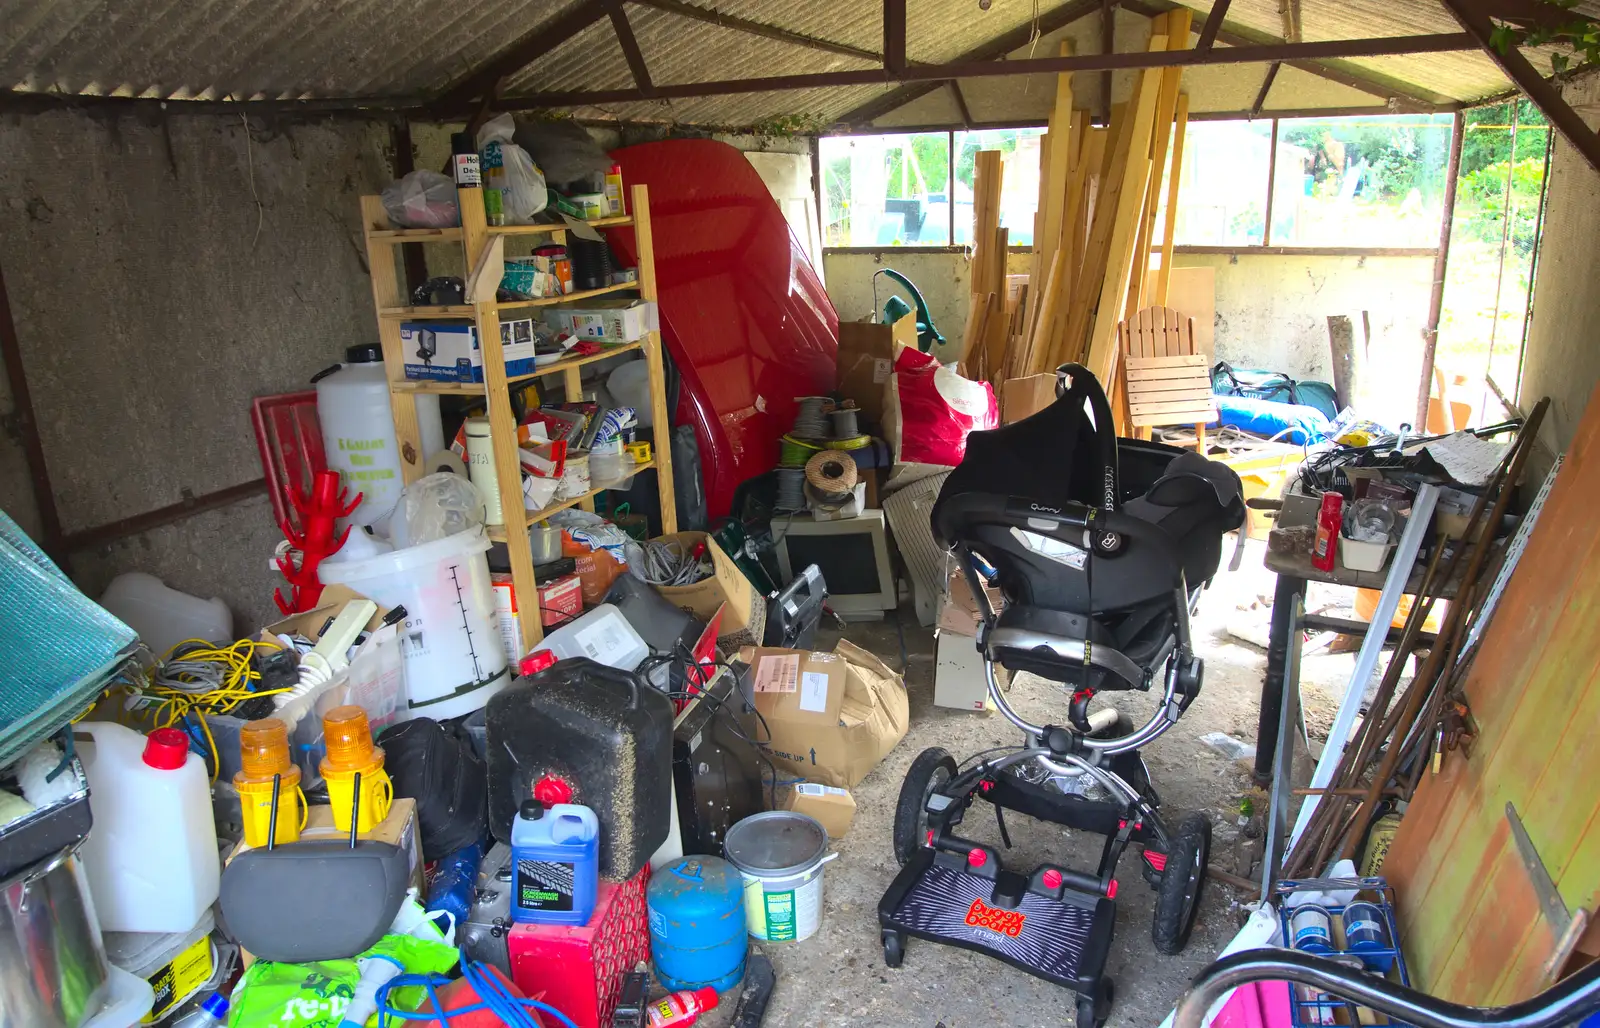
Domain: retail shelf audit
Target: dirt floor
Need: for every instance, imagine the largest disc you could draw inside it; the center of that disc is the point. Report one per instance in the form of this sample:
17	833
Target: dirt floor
838	976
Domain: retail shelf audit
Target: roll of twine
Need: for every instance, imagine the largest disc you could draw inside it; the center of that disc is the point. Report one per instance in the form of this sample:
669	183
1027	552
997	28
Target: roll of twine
793	453
844	423
830	473
811	417
791	490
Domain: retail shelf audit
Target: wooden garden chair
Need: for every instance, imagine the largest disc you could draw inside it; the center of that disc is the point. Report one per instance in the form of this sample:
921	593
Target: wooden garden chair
1168	382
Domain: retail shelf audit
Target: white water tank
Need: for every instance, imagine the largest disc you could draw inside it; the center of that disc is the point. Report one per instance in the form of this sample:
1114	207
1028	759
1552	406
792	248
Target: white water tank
162	616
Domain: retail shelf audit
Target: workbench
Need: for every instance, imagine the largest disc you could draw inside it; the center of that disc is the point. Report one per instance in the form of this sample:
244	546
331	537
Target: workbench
1294	571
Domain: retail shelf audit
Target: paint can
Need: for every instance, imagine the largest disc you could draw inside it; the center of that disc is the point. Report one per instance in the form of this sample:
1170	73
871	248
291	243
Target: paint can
780	854
1311	928
1364	927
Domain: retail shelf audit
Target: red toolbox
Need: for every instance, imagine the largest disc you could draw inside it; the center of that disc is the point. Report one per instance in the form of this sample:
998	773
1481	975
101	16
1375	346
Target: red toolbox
580	970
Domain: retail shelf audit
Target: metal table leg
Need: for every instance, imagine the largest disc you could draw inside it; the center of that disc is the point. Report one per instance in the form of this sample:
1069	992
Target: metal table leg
1289	593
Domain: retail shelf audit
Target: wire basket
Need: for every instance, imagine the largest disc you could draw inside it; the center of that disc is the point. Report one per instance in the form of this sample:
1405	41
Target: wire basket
1310	1008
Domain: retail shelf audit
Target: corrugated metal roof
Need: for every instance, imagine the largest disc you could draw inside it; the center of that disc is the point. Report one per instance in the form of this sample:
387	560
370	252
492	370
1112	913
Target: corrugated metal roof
408	50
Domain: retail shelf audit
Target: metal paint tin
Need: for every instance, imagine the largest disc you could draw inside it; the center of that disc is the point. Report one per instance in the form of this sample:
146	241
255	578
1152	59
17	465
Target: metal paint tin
1312	929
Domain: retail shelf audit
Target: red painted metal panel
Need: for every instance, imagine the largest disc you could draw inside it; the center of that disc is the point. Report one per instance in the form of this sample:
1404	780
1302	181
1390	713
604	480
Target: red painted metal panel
743	313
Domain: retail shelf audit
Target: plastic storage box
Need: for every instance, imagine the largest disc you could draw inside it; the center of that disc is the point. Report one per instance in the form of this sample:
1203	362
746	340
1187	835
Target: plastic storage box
580	970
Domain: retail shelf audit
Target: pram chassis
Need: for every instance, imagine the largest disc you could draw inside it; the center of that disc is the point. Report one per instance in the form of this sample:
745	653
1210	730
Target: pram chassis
956	891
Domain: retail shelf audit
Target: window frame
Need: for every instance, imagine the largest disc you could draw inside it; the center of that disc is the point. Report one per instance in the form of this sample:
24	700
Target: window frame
1266	247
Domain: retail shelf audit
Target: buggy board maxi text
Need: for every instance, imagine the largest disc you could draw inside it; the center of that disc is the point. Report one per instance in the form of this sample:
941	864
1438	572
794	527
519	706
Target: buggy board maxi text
1095	544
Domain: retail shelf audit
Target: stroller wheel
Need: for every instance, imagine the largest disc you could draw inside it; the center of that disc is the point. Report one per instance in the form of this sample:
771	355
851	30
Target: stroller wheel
894	948
1093	1010
932	769
1178	899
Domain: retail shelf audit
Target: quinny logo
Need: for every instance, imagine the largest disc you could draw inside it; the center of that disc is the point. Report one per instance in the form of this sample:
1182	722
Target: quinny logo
1044	509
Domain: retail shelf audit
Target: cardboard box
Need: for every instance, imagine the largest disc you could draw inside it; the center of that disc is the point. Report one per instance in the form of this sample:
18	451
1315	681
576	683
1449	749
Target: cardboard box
560	600
866	361
833	716
958	679
399	828
745	618
452	352
605	321
835	808
1024	397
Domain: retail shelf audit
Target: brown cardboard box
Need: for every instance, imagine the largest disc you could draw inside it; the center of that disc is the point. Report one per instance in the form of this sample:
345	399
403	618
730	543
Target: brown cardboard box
311	623
1023	397
866	361
834	808
746	616
833	716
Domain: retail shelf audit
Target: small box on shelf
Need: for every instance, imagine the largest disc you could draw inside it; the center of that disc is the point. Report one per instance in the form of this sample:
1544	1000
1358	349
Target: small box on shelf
608	321
449	352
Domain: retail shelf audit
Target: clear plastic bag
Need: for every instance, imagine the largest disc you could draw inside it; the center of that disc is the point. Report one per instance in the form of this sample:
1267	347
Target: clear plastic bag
423	199
508	169
436	506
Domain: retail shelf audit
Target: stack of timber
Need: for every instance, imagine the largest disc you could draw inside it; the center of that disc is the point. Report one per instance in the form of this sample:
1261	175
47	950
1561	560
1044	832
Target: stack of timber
1095	230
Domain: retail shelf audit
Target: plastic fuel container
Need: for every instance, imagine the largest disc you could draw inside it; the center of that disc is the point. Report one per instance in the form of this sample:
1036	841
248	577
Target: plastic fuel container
151	857
555	864
581	732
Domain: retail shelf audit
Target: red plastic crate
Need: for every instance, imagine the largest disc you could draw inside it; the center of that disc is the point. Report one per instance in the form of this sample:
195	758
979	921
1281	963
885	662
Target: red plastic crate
580	970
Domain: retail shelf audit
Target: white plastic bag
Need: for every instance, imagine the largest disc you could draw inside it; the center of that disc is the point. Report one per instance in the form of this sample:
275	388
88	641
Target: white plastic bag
508	169
423	199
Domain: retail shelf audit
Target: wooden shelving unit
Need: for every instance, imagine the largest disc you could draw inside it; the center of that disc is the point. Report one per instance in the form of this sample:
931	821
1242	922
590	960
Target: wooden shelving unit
391	306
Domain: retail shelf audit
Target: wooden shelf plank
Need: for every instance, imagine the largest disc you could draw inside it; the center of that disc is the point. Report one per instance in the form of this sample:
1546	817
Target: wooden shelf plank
579	296
477	388
454	312
414	235
498	532
544	230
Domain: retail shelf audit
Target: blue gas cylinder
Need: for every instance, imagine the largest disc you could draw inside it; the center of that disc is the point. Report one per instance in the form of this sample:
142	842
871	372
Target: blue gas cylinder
555	860
697	930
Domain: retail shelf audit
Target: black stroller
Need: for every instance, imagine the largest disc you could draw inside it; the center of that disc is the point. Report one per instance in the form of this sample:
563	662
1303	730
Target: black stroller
1099	546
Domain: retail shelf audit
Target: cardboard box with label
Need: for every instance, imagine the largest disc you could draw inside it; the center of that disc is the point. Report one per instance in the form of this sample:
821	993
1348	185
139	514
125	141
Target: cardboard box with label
606	321
866	361
834	808
745	618
833	716
448	351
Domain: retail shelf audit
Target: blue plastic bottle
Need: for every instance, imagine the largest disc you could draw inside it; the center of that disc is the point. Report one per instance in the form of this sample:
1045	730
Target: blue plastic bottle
555	859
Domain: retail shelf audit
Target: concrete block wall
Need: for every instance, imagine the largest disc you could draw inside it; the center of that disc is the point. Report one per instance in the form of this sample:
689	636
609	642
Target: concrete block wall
164	269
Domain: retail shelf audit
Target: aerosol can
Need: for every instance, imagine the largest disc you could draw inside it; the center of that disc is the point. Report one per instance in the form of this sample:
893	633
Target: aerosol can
682	1009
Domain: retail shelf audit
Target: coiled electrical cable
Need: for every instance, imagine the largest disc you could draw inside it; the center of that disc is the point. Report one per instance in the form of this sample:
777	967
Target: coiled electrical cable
668	562
811	417
791	490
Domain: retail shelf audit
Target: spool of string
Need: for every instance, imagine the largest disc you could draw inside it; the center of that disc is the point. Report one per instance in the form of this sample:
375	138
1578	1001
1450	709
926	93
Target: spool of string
811	417
831	478
793	453
844	423
791	490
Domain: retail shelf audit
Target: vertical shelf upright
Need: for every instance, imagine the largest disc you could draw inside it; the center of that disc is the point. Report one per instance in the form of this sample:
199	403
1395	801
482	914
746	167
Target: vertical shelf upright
392	307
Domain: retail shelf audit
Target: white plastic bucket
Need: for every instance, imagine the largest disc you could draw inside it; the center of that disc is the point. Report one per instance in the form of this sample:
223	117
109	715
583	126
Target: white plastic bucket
454	658
781	855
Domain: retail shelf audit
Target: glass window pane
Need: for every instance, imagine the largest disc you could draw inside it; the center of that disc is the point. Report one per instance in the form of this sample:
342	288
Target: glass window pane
1019	187
1361	181
887	190
1222	196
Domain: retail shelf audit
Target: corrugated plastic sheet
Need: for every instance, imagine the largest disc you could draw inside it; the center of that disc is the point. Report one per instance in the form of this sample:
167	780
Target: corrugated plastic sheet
406	50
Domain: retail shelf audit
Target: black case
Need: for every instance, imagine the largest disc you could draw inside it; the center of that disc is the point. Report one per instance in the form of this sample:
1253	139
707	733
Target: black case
606	734
441	770
717	773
